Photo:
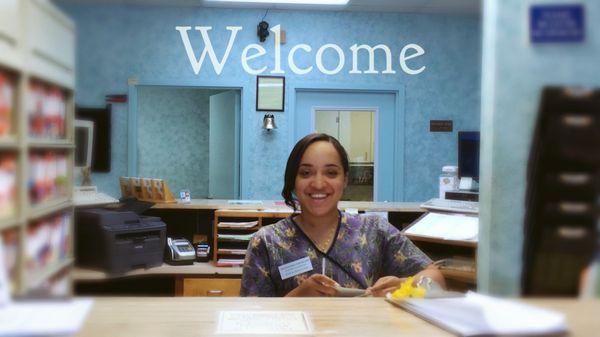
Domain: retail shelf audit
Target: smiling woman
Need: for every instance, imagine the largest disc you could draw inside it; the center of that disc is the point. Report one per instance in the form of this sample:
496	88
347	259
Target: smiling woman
351	251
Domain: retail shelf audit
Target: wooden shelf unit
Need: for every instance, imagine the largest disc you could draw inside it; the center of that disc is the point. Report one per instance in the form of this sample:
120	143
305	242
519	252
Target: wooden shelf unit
9	143
37	45
36	279
263	218
8	223
456	278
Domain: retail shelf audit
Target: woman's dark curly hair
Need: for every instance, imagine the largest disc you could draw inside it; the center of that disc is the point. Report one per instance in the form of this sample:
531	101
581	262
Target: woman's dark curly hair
293	163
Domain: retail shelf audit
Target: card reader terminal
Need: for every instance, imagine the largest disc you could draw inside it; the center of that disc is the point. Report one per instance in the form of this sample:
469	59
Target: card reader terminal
180	251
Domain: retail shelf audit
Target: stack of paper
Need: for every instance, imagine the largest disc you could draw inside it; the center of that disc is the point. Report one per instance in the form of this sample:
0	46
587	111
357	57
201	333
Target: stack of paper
237	225
446	226
476	314
230	262
232	251
235	237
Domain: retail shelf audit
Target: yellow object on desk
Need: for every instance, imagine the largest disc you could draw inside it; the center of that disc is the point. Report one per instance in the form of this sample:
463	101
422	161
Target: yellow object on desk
408	290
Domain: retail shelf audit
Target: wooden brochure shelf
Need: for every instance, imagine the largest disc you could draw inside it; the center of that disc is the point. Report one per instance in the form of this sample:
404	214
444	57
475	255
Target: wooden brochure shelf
232	230
146	189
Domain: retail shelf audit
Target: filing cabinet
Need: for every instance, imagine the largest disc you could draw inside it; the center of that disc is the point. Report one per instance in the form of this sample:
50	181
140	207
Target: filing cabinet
563	192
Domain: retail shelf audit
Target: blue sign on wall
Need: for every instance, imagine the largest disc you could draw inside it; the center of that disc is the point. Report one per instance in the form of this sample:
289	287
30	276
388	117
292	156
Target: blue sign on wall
556	23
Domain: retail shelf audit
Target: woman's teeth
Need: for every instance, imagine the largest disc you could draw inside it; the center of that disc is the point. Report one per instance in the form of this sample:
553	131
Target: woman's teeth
318	196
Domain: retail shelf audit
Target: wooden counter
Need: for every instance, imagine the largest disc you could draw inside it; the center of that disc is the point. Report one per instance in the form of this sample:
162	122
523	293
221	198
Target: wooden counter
183	317
278	206
197	269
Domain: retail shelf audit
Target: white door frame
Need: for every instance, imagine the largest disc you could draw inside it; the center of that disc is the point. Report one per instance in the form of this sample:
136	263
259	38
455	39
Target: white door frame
375	110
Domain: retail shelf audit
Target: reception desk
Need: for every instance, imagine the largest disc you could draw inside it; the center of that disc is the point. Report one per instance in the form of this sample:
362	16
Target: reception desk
202	279
272	205
362	317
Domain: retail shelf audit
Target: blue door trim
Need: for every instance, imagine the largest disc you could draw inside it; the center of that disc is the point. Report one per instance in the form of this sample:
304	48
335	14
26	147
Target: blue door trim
399	120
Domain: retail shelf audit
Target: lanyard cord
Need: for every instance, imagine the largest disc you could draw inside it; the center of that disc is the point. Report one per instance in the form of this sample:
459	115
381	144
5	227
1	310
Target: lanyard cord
326	254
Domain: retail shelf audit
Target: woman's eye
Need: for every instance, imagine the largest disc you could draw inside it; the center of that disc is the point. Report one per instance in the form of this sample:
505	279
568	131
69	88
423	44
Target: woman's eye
304	173
332	173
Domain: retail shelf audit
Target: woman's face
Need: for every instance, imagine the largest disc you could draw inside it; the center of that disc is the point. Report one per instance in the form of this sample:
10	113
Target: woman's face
320	181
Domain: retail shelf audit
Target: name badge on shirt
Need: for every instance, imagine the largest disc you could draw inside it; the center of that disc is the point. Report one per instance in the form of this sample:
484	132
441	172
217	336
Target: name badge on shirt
294	268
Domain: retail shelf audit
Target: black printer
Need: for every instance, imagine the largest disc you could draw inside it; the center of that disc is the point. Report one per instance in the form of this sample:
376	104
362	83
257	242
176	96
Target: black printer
117	242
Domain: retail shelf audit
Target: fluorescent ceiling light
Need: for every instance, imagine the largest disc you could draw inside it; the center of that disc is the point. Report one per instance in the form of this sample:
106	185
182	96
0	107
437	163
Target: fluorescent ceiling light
294	2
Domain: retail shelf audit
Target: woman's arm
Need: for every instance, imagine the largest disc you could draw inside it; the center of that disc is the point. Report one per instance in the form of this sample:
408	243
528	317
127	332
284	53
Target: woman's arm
256	274
433	273
402	259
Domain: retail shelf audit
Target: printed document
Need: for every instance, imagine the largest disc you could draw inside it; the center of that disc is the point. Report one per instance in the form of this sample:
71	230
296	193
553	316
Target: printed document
476	315
43	318
446	226
264	323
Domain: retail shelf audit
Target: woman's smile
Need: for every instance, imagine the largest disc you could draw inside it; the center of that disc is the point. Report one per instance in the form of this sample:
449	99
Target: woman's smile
321	180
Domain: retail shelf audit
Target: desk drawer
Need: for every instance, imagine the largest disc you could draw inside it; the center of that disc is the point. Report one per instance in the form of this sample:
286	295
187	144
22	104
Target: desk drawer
209	287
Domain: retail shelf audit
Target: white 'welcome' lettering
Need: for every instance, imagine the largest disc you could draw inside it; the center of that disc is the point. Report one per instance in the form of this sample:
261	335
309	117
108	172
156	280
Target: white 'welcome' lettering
218	65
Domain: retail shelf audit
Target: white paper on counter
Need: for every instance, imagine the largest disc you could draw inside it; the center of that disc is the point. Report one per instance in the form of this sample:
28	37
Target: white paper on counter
446	226
264	322
481	315
44	318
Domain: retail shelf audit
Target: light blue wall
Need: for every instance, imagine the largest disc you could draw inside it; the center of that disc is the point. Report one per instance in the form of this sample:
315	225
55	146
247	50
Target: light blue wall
514	73
116	42
173	137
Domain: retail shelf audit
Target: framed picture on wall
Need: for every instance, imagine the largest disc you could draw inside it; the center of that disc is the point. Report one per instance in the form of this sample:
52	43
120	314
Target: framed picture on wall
270	93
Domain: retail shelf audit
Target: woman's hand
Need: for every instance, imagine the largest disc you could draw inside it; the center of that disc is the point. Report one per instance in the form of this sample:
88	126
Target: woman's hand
384	285
315	285
390	283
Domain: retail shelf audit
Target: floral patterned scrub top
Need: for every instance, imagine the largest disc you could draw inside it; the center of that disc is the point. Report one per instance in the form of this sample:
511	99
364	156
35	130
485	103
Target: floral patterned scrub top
365	248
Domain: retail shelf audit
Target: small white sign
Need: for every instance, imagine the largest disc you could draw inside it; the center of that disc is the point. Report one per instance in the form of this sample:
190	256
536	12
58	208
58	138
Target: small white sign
185	196
294	268
264	323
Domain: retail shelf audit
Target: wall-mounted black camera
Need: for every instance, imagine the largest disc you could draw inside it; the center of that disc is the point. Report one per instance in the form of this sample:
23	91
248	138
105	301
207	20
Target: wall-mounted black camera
263	30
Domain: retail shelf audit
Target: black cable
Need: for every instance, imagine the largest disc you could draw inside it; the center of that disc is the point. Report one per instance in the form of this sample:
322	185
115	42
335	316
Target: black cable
264	16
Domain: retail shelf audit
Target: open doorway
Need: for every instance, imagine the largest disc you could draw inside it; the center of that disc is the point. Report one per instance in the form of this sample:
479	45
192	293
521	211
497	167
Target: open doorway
190	137
355	129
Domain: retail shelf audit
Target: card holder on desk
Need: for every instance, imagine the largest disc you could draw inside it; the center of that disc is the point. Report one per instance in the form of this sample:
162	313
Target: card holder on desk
136	187
159	188
146	189
126	187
